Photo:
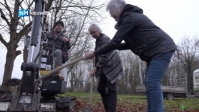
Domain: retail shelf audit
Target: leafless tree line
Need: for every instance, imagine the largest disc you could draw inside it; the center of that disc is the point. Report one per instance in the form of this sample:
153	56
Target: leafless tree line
179	73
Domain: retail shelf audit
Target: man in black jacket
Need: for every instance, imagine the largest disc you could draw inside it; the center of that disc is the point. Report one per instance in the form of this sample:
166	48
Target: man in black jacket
61	44
146	40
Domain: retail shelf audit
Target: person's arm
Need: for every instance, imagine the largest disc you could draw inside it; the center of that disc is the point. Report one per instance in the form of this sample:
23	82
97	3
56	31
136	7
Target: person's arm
123	46
65	48
126	25
68	44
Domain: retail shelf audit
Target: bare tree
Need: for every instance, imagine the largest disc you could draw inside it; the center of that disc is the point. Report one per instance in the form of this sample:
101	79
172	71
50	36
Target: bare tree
187	53
134	72
15	27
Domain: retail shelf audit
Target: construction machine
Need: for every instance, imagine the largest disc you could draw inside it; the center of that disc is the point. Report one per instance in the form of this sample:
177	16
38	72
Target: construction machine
36	93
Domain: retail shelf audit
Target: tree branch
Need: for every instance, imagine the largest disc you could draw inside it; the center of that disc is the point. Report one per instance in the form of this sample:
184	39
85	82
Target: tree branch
4	17
28	4
24	31
3	41
48	5
65	10
15	18
65	7
17	53
8	8
59	5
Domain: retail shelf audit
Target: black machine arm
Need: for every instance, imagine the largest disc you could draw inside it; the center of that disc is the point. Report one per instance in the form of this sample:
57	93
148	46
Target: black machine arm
31	68
27	97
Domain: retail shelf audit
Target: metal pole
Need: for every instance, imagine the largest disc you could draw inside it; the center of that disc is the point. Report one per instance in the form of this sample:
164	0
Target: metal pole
91	92
59	68
91	88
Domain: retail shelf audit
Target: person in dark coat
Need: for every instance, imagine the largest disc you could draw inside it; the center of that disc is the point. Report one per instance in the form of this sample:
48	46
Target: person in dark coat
61	44
145	39
109	69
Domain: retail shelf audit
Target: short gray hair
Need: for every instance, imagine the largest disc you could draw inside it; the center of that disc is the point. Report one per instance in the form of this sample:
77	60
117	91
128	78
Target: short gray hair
92	26
115	4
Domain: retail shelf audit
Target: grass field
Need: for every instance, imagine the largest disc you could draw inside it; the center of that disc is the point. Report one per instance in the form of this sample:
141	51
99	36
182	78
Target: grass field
130	103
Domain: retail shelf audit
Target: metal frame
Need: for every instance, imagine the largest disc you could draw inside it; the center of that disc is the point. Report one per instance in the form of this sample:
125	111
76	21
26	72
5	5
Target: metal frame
27	96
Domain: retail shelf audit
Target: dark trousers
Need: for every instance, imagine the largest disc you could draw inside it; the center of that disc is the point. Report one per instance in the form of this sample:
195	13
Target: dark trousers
108	93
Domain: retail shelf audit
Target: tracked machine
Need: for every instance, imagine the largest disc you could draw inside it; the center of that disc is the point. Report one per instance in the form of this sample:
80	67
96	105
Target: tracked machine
37	93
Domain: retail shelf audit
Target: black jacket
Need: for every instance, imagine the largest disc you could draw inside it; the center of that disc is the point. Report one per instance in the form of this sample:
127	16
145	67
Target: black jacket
109	63
101	60
56	40
140	35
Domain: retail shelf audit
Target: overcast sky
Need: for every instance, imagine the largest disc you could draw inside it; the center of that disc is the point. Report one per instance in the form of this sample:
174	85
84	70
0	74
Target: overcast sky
176	17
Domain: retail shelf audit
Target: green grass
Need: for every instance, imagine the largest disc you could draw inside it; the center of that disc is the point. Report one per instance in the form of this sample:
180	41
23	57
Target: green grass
83	94
188	103
133	100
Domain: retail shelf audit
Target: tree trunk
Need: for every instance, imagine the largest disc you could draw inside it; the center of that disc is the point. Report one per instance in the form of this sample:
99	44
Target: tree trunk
190	79
10	57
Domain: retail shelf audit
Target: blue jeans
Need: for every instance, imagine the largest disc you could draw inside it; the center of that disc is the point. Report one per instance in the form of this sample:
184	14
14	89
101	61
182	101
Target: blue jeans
156	69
